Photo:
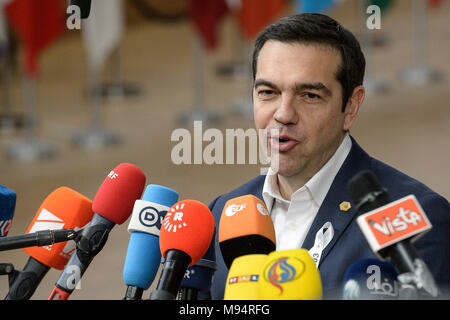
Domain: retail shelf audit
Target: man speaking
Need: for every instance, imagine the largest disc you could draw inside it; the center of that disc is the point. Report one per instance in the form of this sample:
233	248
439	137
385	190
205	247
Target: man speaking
308	73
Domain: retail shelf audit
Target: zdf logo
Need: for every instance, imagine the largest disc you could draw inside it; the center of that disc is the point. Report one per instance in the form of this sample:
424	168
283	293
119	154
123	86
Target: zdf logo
232	209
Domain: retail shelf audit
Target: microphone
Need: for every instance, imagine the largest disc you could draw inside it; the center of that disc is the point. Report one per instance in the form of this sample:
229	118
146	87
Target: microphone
185	236
245	228
243	277
370	279
112	205
7	207
143	254
39	238
84	5
62	208
290	275
199	277
390	227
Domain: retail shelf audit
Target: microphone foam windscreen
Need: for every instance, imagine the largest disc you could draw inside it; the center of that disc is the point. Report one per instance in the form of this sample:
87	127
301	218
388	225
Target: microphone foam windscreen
290	275
245	228
143	254
7	207
243	277
366	191
187	227
115	198
64	208
370	279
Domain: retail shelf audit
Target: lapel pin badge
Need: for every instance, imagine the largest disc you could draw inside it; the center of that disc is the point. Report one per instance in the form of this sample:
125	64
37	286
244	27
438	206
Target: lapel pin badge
345	206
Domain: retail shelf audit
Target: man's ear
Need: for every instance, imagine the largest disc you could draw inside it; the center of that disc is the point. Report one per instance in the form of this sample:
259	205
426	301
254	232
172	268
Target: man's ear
352	107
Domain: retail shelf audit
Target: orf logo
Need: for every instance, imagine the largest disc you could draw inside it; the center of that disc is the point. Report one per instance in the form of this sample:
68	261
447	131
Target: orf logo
150	217
283	270
174	219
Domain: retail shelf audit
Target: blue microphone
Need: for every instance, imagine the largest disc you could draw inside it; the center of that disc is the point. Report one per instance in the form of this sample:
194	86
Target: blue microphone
199	277
143	254
7	207
371	279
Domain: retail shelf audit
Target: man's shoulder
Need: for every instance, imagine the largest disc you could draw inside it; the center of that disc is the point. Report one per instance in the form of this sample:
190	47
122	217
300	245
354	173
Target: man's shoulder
398	183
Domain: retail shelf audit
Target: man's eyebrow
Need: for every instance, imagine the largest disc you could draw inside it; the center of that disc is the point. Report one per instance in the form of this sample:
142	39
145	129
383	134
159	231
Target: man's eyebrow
262	82
313	86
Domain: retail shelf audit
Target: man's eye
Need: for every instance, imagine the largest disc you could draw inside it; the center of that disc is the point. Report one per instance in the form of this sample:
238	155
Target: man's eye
265	93
311	96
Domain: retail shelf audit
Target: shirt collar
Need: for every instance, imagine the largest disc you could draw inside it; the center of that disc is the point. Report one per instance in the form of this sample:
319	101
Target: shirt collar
317	187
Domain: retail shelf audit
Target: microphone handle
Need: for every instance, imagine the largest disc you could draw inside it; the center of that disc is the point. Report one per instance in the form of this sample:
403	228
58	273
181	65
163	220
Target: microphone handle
133	293
414	273
24	283
90	242
190	294
39	238
174	268
402	255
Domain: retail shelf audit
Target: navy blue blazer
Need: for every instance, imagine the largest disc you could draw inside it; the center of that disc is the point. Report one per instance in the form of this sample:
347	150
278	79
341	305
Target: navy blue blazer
348	244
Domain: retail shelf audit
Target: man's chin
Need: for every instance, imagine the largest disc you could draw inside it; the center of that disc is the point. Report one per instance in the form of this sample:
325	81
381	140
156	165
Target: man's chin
283	170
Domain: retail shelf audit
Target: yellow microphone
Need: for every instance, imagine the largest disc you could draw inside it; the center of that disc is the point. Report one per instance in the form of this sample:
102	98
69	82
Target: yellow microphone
243	277
290	275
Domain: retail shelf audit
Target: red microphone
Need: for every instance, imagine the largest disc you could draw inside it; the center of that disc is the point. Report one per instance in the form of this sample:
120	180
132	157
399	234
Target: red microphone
186	233
112	205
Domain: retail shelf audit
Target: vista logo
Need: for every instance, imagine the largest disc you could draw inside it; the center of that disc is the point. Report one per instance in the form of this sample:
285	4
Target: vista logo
399	223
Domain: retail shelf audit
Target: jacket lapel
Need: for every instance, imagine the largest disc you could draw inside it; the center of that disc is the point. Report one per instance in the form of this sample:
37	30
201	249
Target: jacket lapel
333	208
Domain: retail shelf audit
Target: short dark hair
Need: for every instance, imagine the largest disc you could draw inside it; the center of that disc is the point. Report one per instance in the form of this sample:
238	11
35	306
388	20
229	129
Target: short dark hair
319	29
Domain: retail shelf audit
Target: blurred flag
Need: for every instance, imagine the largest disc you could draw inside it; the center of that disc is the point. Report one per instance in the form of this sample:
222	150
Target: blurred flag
206	16
435	3
254	15
3	27
383	4
102	30
315	6
37	23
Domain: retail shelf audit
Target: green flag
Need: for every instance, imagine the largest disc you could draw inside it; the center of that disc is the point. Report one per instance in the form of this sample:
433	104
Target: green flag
383	4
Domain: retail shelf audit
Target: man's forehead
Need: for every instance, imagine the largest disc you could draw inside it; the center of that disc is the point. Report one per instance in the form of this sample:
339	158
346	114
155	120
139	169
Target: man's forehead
315	57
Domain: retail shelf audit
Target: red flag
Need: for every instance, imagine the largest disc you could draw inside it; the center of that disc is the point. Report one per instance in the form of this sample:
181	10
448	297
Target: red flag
206	16
37	23
434	3
255	15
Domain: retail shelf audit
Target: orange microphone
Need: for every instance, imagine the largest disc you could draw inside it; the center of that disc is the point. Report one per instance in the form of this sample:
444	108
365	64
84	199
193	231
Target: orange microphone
186	233
245	228
64	208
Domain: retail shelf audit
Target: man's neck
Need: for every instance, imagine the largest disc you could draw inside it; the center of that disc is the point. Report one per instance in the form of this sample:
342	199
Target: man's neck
288	185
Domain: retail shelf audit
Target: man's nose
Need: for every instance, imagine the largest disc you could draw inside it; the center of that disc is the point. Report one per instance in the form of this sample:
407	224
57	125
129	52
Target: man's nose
286	112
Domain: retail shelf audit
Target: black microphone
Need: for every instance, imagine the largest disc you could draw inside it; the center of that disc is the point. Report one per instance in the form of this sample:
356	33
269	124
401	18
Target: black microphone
84	5
199	277
391	227
38	238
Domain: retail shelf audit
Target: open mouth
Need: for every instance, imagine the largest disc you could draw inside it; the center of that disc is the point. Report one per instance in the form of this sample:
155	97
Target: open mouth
283	143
